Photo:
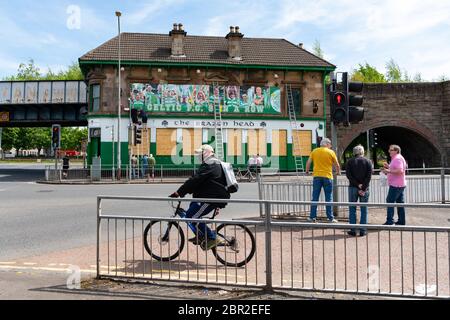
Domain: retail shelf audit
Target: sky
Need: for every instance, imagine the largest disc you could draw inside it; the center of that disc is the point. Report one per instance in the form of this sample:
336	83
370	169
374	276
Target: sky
414	33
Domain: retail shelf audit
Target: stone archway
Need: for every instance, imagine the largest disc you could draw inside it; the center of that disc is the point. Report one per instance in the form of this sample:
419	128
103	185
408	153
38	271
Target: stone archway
419	144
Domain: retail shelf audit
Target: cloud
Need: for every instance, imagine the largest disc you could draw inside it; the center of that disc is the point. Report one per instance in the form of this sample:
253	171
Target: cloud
147	11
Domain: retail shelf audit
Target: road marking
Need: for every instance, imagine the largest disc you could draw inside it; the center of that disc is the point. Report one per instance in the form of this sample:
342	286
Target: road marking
29	263
42	269
7	263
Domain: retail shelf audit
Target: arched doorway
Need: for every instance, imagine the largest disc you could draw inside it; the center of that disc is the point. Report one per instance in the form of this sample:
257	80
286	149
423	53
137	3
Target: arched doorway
417	150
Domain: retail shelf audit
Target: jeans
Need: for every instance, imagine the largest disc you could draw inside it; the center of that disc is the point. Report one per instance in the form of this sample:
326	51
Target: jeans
327	185
353	196
396	195
144	170
196	211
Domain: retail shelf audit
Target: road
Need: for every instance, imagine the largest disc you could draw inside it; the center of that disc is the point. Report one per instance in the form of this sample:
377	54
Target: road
37	219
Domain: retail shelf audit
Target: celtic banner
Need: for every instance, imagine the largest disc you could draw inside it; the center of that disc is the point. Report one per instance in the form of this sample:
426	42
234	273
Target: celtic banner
204	98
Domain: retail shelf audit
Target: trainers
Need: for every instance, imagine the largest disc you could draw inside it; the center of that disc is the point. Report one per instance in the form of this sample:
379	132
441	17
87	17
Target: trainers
351	233
362	234
312	220
209	244
333	221
196	241
388	224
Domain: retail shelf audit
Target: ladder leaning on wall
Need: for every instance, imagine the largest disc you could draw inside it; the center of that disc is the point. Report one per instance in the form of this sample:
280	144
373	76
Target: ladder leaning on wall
295	132
218	125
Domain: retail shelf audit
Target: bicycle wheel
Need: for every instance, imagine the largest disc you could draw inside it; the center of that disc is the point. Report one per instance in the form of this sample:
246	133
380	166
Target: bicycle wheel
164	241
238	246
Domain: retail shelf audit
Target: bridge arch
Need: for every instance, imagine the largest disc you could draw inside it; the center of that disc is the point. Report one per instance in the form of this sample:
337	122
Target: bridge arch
420	146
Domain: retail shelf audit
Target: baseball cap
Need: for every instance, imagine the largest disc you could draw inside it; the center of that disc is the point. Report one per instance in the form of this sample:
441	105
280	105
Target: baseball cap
205	147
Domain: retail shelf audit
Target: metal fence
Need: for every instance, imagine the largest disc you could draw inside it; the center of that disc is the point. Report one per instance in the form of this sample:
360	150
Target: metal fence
390	261
420	189
108	174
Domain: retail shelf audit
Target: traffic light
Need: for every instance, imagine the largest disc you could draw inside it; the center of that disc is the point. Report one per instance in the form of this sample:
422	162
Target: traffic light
354	111
56	136
137	136
134	116
338	104
373	138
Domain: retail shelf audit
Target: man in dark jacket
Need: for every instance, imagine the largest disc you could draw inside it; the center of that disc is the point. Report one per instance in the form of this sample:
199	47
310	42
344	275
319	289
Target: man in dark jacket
359	173
209	182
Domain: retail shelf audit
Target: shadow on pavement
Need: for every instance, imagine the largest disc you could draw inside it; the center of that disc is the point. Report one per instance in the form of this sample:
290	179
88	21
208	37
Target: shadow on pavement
21	175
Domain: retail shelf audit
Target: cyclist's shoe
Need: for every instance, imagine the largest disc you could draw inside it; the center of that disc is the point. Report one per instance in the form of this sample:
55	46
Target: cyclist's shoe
210	243
196	241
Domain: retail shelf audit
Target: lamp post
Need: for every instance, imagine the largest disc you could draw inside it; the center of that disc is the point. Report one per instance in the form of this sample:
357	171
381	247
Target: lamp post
119	161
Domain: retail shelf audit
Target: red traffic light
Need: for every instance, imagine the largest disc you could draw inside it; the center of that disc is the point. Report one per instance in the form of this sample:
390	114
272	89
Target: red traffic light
339	99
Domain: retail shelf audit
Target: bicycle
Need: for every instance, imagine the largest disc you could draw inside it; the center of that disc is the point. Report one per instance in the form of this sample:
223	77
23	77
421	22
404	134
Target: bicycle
245	175
232	251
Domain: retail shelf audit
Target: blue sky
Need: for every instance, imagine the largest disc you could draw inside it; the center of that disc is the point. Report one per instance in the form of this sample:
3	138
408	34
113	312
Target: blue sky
414	33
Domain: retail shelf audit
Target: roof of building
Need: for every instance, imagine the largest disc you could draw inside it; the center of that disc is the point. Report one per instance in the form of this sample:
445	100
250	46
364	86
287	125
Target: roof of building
156	48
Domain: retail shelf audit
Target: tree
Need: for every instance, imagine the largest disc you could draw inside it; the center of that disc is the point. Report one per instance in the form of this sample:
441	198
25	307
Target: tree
317	50
71	138
367	73
393	72
29	71
40	138
9	138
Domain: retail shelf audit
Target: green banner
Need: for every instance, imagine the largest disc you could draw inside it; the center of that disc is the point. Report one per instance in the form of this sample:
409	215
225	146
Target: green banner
204	98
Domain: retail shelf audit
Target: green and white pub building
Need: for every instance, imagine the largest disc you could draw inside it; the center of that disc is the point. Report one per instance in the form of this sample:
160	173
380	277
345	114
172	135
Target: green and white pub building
267	96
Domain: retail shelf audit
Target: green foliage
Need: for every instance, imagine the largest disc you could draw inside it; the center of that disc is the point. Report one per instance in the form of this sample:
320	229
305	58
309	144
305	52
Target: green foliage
317	50
394	73
71	138
29	71
9	136
367	73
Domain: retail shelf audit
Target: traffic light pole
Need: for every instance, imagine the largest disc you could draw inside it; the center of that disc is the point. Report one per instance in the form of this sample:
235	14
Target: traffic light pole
334	141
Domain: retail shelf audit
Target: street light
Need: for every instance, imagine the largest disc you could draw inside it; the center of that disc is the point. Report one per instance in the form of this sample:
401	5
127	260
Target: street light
119	161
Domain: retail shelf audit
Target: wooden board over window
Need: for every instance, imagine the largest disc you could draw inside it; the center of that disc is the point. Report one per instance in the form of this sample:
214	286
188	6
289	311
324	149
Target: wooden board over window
144	147
302	143
279	143
234	142
192	139
257	142
166	142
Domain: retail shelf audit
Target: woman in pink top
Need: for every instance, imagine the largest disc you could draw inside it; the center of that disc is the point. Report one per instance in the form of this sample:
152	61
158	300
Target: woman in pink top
396	172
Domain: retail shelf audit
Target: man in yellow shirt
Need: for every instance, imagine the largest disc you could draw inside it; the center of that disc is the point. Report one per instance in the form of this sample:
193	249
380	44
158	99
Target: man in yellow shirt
323	158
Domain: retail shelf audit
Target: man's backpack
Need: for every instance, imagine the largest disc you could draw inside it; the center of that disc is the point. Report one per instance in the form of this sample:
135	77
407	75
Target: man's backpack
232	185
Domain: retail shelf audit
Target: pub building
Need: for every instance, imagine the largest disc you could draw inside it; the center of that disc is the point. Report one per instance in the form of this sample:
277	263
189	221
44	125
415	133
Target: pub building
188	89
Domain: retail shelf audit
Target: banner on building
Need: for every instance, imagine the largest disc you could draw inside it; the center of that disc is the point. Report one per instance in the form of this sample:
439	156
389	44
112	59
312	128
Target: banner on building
204	98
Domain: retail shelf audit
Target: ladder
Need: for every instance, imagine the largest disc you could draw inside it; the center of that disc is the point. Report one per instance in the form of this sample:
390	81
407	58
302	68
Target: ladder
218	125
295	130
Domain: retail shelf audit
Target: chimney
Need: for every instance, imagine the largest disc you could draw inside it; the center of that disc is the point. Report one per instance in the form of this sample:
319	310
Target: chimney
235	43
300	45
178	34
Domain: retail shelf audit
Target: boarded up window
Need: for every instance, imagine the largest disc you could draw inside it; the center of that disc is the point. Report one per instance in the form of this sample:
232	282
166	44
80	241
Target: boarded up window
257	142
192	139
302	143
235	142
166	142
279	143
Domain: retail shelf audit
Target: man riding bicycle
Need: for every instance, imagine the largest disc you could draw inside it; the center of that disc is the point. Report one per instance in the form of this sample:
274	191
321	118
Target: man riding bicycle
208	182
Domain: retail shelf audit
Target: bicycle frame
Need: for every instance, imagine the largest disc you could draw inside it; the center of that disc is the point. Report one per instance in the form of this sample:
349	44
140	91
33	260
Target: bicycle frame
182	214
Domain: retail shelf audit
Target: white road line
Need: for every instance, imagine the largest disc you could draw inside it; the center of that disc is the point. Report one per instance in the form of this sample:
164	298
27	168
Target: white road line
42	269
7	263
29	263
